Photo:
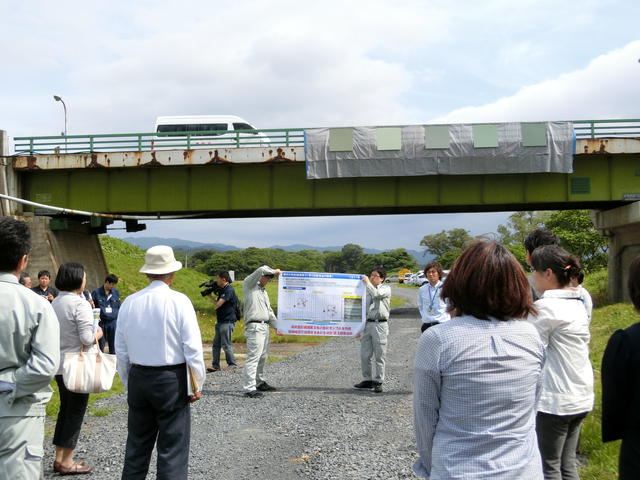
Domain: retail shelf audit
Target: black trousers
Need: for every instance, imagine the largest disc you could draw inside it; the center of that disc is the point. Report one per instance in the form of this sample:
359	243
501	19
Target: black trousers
158	410
427	325
109	335
70	416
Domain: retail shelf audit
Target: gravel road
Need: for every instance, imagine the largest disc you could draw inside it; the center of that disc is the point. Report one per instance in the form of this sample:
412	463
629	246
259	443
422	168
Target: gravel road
317	426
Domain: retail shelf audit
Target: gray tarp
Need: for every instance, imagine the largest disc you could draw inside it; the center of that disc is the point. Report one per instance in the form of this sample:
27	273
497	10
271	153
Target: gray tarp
461	158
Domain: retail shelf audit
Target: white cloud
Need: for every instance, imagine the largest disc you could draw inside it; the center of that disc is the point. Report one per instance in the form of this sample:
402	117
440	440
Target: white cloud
606	88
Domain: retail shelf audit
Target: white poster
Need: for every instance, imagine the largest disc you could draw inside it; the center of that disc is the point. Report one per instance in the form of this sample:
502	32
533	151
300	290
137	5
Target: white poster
312	303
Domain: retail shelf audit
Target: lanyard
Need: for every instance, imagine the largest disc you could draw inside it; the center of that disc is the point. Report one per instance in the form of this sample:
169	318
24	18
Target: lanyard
432	298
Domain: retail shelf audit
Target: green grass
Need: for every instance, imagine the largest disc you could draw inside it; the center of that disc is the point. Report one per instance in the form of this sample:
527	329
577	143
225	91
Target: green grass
597	284
603	458
54	404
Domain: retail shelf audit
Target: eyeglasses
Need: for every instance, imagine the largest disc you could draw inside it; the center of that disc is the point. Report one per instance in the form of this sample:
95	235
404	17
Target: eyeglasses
375	275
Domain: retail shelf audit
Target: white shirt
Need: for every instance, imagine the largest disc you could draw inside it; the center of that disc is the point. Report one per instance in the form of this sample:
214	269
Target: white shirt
431	305
158	326
563	326
586	298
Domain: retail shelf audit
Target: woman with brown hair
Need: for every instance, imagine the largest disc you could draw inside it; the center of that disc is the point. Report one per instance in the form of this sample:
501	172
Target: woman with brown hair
477	376
621	387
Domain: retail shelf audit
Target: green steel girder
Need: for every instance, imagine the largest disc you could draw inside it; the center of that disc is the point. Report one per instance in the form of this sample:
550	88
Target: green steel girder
260	189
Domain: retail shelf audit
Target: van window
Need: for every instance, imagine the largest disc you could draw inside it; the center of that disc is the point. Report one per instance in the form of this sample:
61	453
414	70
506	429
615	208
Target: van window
244	126
180	129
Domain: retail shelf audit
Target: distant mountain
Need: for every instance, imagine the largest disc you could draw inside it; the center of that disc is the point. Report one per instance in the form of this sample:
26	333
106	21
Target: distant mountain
178	244
191	246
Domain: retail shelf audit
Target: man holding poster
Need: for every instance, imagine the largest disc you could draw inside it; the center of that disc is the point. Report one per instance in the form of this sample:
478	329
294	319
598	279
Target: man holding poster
258	315
373	343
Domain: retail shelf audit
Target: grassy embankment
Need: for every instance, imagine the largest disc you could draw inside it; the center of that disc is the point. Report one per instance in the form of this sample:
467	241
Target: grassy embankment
125	260
603	457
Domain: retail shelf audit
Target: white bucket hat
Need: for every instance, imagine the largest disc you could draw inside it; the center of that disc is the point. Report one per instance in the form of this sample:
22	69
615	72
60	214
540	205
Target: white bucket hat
159	260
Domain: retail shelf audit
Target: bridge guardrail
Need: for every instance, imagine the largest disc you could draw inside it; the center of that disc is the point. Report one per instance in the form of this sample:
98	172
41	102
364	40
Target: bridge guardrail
607	128
287	137
139	142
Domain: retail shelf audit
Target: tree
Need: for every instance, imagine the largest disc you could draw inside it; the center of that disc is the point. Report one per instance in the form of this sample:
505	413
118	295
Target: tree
446	245
578	235
390	261
519	225
333	262
351	257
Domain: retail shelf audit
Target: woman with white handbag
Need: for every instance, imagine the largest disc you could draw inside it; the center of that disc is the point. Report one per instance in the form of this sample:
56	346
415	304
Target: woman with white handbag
76	334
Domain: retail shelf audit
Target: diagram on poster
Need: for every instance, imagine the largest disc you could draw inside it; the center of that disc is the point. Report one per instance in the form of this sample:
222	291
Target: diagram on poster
312	303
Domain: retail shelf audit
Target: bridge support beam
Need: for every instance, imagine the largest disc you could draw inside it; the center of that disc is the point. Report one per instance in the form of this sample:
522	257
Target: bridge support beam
622	226
52	248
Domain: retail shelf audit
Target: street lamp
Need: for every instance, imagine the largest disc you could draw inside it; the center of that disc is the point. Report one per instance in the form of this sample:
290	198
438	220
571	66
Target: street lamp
59	99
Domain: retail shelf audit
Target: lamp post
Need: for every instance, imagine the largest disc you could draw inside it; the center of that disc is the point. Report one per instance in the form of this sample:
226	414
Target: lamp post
64	105
59	99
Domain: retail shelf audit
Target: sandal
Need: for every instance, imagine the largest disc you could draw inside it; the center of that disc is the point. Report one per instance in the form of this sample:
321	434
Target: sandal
78	468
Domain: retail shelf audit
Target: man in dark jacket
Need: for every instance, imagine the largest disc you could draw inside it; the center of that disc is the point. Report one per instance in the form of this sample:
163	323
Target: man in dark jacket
107	299
225	306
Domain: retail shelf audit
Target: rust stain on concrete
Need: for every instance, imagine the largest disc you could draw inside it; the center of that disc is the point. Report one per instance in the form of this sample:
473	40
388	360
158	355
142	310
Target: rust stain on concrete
215	158
280	156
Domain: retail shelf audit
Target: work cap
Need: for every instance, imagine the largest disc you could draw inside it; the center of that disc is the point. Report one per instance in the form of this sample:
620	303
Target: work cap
159	260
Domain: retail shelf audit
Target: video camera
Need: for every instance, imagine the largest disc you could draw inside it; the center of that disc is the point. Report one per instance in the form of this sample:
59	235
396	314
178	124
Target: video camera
210	287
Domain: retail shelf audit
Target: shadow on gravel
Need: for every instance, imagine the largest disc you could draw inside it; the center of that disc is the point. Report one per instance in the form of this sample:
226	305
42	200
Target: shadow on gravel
405	312
330	390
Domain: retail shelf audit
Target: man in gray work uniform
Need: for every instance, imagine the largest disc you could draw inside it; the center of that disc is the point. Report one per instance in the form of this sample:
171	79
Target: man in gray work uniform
29	358
258	316
373	343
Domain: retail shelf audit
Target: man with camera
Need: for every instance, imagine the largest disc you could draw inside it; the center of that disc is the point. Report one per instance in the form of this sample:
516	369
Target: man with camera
226	306
258	315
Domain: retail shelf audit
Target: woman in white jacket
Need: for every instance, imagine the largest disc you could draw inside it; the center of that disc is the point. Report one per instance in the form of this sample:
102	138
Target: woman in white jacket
567	391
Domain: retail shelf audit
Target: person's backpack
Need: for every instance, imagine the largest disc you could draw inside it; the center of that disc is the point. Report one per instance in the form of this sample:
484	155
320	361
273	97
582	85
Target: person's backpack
238	308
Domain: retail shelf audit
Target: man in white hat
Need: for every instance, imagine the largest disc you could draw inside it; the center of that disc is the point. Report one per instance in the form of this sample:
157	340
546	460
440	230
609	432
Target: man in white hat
160	363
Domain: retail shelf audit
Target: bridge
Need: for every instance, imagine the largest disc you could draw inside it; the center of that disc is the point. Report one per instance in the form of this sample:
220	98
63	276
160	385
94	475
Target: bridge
210	175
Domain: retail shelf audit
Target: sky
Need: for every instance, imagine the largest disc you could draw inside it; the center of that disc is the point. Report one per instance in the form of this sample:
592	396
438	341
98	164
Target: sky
118	65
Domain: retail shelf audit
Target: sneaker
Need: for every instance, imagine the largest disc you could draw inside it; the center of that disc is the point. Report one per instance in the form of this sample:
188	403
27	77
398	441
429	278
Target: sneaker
364	384
377	388
232	366
253	394
265	387
212	369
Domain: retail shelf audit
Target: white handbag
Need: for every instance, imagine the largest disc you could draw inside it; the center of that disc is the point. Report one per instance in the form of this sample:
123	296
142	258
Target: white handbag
88	371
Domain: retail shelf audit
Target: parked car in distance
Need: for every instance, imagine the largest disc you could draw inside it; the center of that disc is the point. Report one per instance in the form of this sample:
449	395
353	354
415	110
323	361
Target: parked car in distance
393	279
419	279
170	132
407	277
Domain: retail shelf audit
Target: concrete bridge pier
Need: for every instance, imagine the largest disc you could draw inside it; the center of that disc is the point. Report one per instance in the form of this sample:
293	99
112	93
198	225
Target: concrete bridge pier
622	227
51	248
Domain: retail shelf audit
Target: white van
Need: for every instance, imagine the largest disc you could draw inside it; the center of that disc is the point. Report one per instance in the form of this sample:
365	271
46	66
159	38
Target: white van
170	132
